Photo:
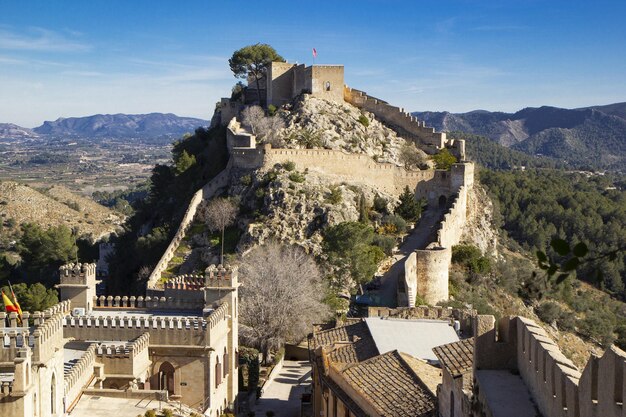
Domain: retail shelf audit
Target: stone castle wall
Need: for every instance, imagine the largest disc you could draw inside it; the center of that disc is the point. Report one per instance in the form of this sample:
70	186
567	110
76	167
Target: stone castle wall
555	383
211	189
404	123
80	375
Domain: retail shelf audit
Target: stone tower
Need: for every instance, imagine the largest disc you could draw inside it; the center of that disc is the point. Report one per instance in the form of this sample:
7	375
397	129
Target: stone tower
78	284
221	287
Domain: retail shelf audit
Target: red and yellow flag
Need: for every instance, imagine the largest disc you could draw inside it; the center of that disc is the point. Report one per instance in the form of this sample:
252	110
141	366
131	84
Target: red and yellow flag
9	307
19	309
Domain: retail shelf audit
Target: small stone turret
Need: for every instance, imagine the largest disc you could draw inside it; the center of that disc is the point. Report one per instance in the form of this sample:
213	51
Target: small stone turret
220	277
78	284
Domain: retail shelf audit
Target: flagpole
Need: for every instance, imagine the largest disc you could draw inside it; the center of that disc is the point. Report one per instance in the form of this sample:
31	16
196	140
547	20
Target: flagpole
19	308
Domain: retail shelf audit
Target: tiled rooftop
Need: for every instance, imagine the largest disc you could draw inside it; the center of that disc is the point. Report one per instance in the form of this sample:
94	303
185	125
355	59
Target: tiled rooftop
353	343
389	384
457	357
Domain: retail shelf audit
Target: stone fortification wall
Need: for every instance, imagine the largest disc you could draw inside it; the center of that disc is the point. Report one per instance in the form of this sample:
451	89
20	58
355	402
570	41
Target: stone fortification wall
464	316
356	168
163	330
451	227
80	375
404	123
176	303
426	272
175	331
125	358
556	385
208	191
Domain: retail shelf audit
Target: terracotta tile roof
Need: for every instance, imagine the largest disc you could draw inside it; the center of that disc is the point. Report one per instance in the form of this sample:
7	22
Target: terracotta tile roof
353	343
457	357
390	386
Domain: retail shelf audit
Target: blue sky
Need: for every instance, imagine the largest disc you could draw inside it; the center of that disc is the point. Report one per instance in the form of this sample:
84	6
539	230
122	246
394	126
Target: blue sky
75	58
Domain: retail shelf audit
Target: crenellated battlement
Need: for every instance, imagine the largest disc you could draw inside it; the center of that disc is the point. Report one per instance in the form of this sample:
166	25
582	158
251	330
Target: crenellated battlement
80	373
147	303
45	334
555	383
185	282
124	350
77	274
218	276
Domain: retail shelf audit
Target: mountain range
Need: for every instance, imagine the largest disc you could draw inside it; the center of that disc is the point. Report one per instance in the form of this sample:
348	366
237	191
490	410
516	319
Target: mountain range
589	137
153	125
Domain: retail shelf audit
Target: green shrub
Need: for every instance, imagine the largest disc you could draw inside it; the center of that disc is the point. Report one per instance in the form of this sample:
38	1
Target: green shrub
289	165
380	205
150	413
364	120
246	180
566	321
297	177
271	110
444	159
335	196
167	412
548	312
386	243
470	257
395	220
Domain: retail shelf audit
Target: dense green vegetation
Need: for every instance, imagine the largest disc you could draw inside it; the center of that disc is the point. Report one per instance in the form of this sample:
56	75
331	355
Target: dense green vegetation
35	297
350	246
195	160
539	205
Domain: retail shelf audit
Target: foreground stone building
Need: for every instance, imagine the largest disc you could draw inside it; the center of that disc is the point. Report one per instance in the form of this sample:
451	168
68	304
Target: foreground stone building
383	365
176	345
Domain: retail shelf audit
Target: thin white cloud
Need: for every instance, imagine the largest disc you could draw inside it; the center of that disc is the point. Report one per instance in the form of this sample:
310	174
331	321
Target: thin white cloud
40	39
500	28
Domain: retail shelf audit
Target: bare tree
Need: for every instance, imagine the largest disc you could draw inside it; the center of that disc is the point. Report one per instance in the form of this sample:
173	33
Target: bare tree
412	157
280	296
220	213
265	128
253	117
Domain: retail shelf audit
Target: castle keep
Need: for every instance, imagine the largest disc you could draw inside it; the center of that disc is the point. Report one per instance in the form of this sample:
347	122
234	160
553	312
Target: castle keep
179	344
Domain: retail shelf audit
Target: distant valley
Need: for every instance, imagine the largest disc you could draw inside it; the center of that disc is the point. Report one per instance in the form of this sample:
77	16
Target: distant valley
151	126
590	137
93	153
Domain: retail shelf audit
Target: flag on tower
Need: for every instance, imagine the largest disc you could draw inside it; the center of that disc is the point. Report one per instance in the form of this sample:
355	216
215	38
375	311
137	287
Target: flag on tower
19	308
9	307
314	53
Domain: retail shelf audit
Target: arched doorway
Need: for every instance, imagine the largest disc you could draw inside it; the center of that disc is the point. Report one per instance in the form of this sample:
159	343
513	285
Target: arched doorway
166	377
442	201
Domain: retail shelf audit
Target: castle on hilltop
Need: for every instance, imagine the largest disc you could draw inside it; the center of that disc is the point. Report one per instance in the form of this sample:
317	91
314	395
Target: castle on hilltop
175	346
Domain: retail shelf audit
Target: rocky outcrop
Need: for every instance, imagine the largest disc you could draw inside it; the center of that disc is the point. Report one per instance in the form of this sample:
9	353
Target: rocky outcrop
317	123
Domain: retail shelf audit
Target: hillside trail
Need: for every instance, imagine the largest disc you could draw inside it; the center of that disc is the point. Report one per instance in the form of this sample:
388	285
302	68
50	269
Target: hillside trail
420	237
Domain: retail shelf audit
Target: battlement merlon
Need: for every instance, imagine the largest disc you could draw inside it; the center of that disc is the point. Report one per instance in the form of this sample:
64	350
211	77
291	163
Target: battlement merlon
78	274
78	284
221	277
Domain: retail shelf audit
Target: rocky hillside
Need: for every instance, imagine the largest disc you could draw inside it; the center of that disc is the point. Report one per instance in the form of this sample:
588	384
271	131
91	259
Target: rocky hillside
586	137
55	206
317	123
9	131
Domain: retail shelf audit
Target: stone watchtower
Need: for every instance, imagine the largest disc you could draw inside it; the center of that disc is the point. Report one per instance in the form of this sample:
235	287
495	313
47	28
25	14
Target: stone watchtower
221	286
78	284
